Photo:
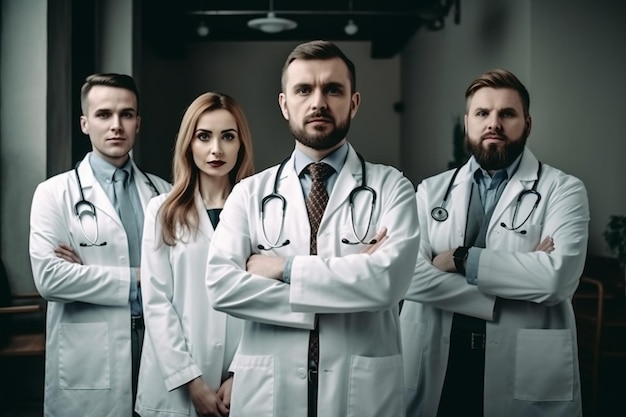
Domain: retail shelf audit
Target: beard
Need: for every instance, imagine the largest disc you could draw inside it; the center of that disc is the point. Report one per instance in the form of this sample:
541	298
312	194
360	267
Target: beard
321	140
494	157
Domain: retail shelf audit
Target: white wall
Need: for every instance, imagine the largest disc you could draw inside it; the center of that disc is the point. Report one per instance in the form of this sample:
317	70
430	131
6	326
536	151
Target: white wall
23	78
570	55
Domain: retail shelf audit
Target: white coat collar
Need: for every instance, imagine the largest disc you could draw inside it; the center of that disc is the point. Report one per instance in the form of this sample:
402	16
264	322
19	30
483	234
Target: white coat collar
204	223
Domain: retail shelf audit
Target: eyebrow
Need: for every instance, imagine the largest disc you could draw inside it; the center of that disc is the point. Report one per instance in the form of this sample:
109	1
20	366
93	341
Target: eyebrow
210	131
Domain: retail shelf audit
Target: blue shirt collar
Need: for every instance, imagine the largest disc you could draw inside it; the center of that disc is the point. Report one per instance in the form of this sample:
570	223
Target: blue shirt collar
105	170
479	173
335	159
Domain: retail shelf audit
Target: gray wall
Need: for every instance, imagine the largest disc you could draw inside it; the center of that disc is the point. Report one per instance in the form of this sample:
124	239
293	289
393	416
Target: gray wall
568	52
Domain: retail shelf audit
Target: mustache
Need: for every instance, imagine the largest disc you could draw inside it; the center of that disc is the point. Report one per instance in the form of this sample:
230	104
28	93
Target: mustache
494	135
320	114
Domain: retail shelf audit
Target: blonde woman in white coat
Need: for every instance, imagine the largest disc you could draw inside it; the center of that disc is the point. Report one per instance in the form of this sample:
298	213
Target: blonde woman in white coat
189	346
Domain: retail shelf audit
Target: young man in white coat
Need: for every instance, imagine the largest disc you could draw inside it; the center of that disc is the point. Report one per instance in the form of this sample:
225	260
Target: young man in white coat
84	259
339	287
487	324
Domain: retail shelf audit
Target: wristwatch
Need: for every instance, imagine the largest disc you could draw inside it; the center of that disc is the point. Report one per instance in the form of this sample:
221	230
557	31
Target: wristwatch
460	256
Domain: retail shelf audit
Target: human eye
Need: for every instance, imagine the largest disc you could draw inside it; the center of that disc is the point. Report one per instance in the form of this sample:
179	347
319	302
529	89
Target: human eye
507	114
103	115
229	136
303	90
203	135
334	90
481	113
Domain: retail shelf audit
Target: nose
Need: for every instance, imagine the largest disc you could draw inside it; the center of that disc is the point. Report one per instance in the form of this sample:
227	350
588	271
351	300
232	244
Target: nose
116	123
494	122
216	147
319	100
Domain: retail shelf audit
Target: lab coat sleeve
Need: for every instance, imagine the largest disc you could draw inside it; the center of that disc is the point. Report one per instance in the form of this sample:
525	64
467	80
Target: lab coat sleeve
165	331
60	280
538	276
443	290
360	282
231	288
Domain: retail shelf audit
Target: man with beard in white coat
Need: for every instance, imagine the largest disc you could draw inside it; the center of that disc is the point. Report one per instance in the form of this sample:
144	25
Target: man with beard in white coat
488	327
344	291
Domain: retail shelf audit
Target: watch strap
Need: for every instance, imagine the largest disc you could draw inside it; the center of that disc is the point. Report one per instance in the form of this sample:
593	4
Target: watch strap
460	256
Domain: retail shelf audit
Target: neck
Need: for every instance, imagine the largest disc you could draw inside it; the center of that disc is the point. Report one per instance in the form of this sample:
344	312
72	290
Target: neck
318	154
214	190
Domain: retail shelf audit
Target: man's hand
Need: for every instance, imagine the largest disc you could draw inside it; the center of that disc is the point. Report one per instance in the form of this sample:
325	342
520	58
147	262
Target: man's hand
225	391
445	262
547	245
380	237
205	400
266	266
66	252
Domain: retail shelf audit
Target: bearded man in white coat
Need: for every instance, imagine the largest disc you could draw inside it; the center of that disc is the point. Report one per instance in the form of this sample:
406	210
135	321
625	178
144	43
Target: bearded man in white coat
85	259
343	291
487	324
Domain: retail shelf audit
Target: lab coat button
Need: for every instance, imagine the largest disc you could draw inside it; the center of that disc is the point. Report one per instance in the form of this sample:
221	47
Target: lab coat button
301	373
219	346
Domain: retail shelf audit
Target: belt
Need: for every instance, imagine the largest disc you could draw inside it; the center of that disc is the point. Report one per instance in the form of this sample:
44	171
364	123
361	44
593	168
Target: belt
136	322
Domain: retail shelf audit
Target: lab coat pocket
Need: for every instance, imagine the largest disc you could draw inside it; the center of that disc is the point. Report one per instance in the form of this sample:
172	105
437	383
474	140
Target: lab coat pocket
84	356
253	386
375	386
544	365
413	345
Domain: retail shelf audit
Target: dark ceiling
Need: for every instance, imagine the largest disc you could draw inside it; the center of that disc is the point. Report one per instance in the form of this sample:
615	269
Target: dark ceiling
387	24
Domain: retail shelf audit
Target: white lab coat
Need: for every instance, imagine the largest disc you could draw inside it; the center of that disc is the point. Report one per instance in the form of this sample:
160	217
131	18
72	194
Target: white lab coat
185	337
354	297
531	359
88	346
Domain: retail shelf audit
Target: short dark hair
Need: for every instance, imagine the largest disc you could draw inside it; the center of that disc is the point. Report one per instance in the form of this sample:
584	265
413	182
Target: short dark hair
500	78
109	80
319	50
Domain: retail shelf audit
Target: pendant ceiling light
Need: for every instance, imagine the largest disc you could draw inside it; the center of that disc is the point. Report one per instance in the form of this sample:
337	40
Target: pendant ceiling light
271	23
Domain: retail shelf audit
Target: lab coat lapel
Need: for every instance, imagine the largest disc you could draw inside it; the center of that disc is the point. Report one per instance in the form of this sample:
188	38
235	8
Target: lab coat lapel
522	180
204	223
349	177
94	193
297	219
145	190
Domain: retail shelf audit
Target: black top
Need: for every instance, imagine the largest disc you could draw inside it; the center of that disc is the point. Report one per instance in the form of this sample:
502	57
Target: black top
214	215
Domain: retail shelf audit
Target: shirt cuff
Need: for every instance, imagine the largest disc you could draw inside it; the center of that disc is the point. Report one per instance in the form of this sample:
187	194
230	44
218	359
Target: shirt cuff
471	267
287	270
133	285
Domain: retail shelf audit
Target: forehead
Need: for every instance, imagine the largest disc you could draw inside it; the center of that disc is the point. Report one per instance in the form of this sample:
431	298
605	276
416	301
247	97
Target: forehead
105	97
495	98
317	71
220	118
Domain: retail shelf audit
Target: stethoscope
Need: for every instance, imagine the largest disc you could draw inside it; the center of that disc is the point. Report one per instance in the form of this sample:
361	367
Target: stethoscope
440	214
90	210
283	202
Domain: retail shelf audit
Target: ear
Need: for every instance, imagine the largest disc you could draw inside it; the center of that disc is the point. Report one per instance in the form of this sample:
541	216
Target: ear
529	124
84	125
138	124
282	102
354	104
465	123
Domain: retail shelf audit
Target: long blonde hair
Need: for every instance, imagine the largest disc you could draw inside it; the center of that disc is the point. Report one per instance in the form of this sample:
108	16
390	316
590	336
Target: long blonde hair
178	211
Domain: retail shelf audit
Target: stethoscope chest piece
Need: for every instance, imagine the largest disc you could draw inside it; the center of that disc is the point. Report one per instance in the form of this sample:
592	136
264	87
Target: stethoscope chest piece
439	214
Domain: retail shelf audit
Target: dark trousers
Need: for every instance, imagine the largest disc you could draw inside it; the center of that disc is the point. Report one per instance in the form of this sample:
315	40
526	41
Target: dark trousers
463	387
136	336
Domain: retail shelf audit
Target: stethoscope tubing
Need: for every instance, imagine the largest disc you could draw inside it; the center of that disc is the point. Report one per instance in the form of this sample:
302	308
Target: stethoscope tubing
351	201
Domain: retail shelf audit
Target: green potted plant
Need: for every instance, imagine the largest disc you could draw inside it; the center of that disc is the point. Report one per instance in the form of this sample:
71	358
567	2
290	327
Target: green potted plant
615	237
